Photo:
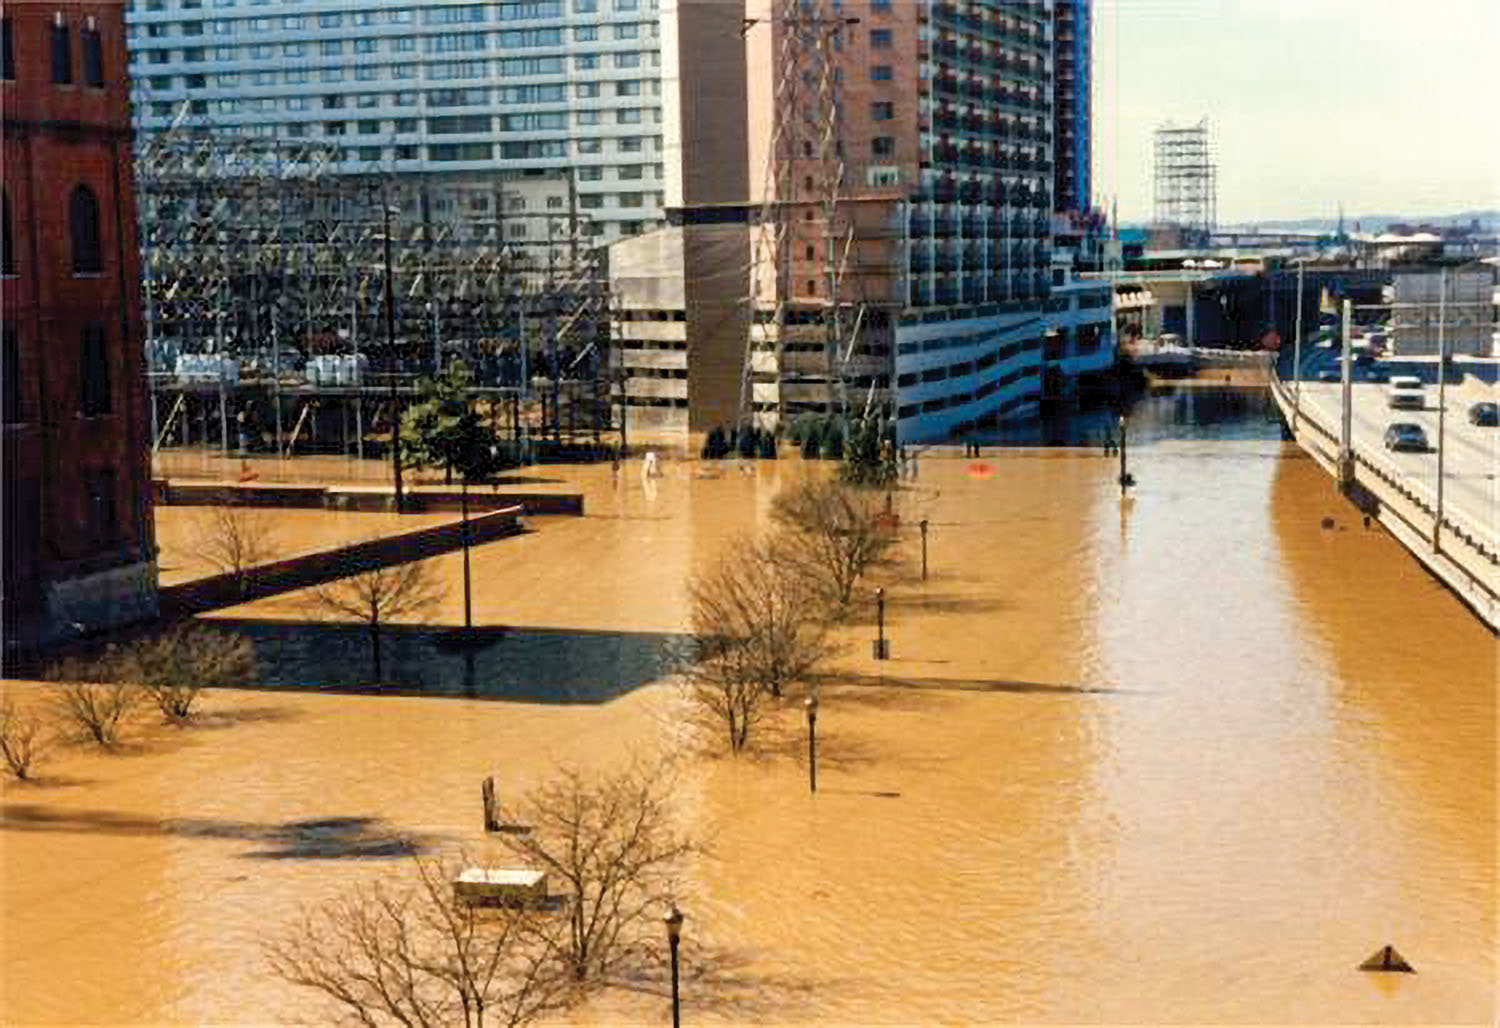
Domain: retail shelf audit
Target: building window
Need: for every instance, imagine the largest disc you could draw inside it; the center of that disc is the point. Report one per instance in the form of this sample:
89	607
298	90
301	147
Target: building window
883	146
83	227
7	53
62	53
880	39
11	371
882	110
104	525
880	73
93	373
8	254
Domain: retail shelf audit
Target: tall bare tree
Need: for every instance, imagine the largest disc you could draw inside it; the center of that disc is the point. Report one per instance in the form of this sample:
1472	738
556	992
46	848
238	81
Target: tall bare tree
22	739
611	841
752	635
380	595
832	534
234	539
417	956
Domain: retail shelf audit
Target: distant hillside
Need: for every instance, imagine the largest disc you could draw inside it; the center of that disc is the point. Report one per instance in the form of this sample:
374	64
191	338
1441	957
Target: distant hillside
1489	221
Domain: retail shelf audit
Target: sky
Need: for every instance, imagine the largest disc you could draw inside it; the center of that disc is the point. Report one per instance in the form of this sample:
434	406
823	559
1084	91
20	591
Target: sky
1385	106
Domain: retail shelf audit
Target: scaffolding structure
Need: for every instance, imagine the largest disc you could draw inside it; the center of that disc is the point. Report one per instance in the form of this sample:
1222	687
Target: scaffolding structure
1186	178
806	207
275	282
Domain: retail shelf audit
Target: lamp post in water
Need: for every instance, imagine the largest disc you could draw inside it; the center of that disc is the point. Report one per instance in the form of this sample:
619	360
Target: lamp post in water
811	703
673	922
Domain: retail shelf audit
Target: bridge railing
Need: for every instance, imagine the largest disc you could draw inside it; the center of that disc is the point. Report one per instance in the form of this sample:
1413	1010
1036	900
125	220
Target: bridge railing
1476	560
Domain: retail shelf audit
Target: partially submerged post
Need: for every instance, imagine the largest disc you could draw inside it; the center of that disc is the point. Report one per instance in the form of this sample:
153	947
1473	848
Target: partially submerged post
487	791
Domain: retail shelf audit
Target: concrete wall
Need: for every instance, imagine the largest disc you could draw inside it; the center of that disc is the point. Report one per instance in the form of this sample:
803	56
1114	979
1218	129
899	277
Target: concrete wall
310	569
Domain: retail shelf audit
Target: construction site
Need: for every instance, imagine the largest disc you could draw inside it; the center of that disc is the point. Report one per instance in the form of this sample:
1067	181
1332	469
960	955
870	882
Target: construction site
293	310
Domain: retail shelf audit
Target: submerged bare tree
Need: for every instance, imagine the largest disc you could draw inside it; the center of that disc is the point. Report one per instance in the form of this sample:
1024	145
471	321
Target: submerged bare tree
96	710
380	595
610	840
234	539
22	739
171	668
415	955
754	634
177	665
831	535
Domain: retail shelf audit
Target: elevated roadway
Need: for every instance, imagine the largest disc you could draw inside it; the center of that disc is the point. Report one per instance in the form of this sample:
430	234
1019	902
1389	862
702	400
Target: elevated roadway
1402	487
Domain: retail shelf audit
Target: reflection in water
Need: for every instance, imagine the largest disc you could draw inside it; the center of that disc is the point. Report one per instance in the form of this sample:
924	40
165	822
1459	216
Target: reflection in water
1162	412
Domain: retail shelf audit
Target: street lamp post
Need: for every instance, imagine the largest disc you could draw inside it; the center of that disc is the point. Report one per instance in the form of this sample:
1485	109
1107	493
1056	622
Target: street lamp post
1125	480
811	703
882	651
673	922
924	549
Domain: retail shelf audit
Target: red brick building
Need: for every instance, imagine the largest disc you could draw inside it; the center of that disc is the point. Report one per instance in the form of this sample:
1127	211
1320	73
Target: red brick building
78	537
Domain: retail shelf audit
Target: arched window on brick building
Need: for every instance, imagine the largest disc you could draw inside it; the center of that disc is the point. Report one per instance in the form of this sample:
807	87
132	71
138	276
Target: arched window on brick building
83	228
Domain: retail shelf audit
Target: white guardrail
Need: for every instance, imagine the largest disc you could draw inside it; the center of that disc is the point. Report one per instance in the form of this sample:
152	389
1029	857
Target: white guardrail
1467	559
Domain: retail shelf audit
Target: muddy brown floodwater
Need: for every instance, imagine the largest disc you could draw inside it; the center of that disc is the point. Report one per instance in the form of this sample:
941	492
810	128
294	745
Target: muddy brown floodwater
1189	759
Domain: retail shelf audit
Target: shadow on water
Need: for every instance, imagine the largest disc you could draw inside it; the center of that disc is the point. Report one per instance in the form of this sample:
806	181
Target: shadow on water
1160	413
534	665
330	838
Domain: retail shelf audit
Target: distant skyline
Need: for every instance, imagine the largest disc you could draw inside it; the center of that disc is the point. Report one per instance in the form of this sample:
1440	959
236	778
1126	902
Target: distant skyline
1385	106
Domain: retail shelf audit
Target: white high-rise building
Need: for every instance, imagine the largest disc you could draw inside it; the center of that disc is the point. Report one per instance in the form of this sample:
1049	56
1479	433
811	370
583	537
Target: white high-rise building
424	86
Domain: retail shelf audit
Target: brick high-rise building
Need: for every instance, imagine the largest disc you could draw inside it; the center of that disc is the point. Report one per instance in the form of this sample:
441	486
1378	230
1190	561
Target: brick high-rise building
868	229
79	545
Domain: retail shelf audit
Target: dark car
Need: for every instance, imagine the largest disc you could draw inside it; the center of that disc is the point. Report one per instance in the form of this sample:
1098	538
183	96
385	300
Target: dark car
1485	414
1404	435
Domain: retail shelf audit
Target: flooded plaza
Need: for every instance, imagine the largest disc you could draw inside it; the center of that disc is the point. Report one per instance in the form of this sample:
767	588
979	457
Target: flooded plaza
1185	758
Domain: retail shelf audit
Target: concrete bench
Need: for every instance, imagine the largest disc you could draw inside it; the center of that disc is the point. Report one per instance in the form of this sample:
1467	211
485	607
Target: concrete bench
501	886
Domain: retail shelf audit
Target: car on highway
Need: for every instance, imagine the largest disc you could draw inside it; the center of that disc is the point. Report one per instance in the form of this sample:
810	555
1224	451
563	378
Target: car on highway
1404	435
1406	393
1485	414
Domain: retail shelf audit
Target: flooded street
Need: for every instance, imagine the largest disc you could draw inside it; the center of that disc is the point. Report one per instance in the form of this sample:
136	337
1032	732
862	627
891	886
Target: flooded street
1188	758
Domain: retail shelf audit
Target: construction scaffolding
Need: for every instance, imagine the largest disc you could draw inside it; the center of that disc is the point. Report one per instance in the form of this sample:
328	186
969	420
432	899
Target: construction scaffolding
807	299
1186	179
300	303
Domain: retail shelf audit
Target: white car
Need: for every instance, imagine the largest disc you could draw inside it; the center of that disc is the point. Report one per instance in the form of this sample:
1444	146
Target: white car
1406	393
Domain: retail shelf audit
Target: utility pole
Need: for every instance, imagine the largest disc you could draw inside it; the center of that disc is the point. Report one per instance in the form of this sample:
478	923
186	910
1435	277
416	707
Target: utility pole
390	346
1437	525
1346	432
1297	351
